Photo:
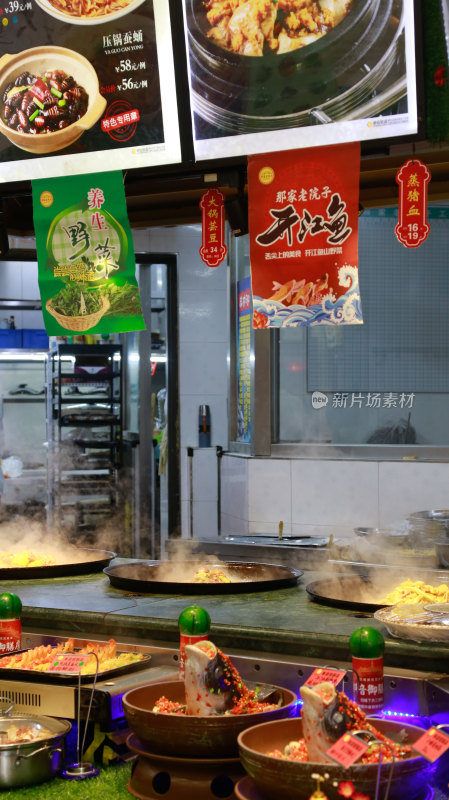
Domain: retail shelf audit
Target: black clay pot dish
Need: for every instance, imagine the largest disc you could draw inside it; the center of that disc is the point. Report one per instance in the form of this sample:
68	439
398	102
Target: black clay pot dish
324	81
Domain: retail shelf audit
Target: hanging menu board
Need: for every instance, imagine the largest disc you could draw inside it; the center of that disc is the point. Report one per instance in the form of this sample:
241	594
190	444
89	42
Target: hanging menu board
86	86
269	75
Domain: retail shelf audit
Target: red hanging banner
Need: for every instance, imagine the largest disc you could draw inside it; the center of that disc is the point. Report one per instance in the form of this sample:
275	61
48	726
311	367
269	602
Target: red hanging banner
213	249
303	226
412	228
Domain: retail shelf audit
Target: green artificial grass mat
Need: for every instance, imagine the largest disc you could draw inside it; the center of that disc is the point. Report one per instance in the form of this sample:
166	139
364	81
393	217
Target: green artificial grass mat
109	785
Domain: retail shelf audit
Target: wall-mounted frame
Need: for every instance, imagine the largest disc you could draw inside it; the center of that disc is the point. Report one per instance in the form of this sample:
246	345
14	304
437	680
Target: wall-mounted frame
357	81
116	107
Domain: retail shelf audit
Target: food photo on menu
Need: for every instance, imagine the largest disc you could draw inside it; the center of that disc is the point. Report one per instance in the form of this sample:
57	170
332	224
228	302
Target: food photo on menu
314	71
106	86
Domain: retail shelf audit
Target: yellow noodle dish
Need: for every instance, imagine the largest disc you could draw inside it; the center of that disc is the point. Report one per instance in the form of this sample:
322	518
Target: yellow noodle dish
416	592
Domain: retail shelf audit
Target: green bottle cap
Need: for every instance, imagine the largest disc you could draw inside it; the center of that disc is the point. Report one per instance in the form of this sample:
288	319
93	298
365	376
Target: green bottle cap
367	643
194	621
10	606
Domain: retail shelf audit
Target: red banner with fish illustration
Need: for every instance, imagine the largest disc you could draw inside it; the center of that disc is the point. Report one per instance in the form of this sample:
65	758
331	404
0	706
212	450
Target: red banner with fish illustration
303	226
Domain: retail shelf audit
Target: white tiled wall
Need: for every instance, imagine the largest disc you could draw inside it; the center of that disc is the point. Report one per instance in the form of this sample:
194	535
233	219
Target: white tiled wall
309	496
313	497
203	303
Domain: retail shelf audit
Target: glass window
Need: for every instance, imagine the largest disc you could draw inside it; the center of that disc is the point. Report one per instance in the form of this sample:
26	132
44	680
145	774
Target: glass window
386	381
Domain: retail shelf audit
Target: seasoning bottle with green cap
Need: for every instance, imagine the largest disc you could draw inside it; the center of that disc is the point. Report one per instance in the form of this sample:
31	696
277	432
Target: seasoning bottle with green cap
194	626
367	647
10	623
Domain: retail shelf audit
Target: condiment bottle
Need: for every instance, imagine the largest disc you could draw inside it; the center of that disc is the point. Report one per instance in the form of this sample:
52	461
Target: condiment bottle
194	626
10	624
367	646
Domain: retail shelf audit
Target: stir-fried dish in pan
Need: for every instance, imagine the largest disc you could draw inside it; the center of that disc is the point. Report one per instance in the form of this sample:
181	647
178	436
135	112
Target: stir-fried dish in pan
417	592
257	27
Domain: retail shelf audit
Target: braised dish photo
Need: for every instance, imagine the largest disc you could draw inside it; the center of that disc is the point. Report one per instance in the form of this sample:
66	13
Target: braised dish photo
256	27
48	97
88	12
41	104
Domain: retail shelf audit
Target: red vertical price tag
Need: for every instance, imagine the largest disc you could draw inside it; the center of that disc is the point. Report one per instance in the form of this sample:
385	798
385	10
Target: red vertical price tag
347	750
432	744
213	248
323	674
68	662
412	228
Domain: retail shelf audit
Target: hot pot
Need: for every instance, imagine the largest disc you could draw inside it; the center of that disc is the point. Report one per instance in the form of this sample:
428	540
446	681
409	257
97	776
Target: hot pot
294	780
321	82
27	763
193	736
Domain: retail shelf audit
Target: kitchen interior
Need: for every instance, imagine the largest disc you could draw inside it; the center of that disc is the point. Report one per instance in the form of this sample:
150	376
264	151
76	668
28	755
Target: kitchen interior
319	515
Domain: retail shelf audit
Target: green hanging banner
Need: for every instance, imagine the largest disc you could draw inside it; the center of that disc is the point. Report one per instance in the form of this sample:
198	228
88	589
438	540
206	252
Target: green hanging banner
87	275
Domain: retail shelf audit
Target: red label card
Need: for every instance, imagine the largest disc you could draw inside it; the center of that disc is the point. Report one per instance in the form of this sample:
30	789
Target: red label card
347	750
432	744
213	248
412	228
324	674
68	662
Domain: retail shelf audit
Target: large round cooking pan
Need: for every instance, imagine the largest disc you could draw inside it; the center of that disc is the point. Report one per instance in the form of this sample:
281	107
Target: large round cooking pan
293	780
27	763
85	561
365	592
344	67
176	577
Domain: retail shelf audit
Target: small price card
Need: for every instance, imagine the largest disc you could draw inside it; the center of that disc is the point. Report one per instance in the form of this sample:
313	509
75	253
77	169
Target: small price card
432	744
67	662
347	750
322	674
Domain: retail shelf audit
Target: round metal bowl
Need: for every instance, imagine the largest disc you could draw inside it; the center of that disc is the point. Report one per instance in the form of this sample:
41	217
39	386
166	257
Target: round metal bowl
429	526
28	763
197	737
293	780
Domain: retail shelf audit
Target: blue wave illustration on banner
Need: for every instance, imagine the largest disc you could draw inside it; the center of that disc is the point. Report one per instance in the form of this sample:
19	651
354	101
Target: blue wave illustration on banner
347	310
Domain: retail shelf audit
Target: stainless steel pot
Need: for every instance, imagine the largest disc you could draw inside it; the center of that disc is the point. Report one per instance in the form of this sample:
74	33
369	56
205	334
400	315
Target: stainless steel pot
27	763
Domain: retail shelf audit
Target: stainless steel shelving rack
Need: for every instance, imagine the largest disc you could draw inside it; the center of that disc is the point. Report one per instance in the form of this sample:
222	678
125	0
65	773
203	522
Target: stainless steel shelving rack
84	434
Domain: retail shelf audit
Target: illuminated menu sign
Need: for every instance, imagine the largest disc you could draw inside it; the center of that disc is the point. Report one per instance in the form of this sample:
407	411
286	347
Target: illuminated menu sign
270	76
86	86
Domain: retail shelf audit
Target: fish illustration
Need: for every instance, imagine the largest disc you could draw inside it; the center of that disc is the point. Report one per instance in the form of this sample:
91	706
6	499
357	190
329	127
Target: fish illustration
212	684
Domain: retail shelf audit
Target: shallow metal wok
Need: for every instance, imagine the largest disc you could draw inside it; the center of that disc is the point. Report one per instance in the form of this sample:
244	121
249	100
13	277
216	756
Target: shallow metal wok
350	591
364	592
91	561
162	577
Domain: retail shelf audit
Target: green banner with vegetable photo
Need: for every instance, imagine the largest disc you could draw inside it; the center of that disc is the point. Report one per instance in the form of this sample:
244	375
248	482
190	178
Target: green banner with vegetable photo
87	268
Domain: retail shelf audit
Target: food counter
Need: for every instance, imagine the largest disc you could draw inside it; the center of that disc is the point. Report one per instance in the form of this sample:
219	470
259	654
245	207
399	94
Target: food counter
276	636
281	621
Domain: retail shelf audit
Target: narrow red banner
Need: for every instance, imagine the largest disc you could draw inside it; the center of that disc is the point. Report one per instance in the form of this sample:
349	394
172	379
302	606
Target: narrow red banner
303	226
412	228
213	249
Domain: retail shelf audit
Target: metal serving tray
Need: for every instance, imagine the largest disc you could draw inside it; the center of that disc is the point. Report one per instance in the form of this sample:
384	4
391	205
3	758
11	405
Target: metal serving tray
70	678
